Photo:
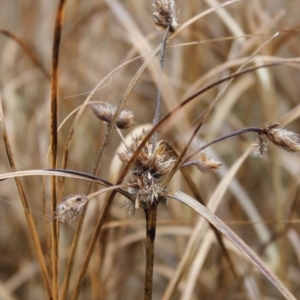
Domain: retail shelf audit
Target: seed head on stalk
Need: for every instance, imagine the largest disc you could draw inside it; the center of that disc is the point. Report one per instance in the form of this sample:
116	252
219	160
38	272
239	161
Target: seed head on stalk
165	15
147	172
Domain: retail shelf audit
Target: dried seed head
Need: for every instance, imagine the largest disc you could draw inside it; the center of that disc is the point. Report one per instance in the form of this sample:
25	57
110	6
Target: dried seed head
263	145
105	112
71	207
287	140
147	171
204	164
165	15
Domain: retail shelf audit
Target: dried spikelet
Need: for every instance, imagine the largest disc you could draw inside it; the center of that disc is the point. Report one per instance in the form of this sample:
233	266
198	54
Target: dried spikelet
204	164
287	140
71	207
147	171
263	145
165	15
105	112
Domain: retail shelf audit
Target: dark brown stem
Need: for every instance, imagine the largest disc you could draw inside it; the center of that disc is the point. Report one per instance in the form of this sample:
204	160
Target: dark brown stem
53	138
151	214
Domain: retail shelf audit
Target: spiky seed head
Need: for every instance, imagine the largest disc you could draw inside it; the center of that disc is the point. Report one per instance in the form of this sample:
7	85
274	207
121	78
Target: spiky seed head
70	207
165	15
287	140
147	172
105	112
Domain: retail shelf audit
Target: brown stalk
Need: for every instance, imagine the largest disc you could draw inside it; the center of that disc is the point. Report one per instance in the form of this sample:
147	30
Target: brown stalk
53	138
151	215
28	51
151	212
29	218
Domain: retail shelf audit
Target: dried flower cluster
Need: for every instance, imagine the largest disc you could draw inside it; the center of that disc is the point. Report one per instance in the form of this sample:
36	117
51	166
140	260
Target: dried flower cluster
105	112
204	164
147	172
287	140
165	15
71	207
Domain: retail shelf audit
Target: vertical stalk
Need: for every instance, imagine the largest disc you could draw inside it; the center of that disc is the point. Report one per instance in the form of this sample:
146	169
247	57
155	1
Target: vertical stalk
151	214
53	139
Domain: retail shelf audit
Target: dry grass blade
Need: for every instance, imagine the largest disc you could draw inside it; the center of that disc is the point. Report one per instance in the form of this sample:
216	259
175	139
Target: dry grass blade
28	51
29	218
198	232
64	173
222	227
199	198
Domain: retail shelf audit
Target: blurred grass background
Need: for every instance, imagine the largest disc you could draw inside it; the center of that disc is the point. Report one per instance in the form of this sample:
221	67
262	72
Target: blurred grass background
99	36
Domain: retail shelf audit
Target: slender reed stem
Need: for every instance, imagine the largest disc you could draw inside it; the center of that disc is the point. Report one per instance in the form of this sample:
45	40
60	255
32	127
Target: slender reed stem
53	139
151	215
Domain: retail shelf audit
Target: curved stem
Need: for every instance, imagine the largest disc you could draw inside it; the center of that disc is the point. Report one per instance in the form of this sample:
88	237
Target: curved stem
221	138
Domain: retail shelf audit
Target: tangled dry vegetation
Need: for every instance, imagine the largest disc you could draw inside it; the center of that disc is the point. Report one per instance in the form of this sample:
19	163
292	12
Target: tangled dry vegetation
90	157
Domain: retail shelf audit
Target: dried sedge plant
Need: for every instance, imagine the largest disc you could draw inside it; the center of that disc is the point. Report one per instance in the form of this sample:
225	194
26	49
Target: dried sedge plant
153	163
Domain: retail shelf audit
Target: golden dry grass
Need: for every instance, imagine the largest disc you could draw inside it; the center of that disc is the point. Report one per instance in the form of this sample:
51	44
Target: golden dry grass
260	202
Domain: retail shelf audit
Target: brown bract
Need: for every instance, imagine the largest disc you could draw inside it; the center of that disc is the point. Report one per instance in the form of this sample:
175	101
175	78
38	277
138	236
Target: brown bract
105	112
